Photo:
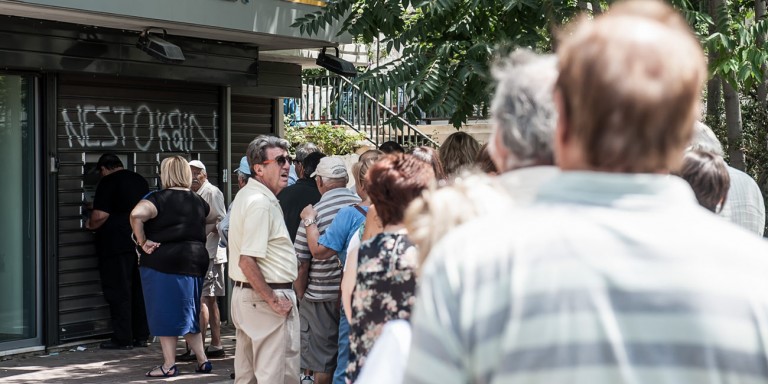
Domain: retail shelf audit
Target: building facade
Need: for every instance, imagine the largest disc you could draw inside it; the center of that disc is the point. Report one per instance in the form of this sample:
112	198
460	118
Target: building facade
74	85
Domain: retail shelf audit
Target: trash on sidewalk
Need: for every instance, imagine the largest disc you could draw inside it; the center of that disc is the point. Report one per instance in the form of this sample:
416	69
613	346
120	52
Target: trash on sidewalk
79	348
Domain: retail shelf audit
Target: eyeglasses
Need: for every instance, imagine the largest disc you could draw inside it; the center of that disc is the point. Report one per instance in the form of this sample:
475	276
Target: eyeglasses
281	160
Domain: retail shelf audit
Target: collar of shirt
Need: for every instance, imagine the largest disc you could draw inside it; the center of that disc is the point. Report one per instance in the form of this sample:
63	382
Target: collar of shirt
203	187
620	190
261	188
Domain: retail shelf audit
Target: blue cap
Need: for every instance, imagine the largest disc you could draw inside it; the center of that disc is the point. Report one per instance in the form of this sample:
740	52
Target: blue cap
244	169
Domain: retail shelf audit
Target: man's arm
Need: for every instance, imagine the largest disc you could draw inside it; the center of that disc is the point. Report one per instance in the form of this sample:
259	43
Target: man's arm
97	219
436	353
250	267
319	251
305	258
302	280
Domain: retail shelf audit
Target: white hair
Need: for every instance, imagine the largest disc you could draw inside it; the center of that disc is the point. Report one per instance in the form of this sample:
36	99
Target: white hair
523	112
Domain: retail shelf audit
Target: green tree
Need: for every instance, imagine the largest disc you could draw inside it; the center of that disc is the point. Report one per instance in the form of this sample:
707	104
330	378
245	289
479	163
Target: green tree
445	46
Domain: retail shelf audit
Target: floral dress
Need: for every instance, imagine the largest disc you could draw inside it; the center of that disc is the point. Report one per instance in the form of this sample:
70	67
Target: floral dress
385	291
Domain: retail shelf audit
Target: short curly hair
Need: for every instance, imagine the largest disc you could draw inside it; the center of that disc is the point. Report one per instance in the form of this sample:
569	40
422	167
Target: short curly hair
393	182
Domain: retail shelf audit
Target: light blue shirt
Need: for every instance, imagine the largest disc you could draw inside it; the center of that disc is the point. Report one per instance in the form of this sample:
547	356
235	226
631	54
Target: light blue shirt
605	278
292	177
341	230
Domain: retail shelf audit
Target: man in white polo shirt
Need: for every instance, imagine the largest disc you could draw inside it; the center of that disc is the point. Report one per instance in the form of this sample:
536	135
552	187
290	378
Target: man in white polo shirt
263	267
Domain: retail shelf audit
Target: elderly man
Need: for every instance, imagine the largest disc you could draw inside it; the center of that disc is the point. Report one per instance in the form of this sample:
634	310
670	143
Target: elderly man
318	283
301	153
607	277
523	121
744	206
263	268
213	285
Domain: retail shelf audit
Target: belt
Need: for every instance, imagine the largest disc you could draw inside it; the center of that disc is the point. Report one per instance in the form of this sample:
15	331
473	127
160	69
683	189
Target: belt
271	285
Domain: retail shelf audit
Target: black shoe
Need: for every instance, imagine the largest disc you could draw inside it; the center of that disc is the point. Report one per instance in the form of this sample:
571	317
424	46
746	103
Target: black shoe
214	354
141	343
186	356
113	345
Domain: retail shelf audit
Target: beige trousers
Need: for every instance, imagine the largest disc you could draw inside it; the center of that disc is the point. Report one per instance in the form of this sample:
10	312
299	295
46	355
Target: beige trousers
267	348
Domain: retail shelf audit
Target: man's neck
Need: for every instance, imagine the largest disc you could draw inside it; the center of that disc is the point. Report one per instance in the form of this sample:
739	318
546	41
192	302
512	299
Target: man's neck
111	171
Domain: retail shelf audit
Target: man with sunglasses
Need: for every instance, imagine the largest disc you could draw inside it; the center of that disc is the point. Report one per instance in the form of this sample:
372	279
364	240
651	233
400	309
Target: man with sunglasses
262	269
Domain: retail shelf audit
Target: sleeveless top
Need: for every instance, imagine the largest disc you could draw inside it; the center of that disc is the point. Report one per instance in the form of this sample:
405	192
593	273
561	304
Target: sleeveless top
385	290
179	227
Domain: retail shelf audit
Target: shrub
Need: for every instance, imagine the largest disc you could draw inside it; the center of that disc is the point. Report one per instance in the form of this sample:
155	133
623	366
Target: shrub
331	139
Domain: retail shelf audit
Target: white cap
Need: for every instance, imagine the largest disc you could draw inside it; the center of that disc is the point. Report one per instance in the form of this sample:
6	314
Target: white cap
197	164
330	167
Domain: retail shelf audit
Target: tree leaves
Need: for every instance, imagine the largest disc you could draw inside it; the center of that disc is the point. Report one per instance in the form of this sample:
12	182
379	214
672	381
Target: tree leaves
445	47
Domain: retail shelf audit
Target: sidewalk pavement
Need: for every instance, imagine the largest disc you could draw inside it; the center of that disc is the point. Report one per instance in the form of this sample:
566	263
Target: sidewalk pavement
94	365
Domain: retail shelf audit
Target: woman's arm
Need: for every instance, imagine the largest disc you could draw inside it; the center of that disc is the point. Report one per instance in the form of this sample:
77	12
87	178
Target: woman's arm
143	211
349	279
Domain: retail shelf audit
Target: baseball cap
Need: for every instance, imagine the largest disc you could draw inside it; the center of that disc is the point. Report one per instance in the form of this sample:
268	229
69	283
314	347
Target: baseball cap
197	164
331	167
244	168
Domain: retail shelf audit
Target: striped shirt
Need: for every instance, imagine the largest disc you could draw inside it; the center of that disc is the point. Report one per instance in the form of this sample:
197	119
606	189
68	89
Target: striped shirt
744	205
604	279
324	275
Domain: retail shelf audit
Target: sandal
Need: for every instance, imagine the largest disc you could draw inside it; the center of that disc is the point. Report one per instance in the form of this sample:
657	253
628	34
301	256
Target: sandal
172	371
206	367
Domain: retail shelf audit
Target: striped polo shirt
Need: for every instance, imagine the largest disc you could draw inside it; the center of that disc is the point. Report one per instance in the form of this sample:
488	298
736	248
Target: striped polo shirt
324	275
606	278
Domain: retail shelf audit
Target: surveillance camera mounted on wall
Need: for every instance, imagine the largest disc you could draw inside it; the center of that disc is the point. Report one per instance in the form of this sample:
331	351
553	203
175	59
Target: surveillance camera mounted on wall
159	48
336	64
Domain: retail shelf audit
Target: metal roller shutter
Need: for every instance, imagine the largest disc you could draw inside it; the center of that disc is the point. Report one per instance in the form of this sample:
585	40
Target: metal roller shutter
141	121
250	116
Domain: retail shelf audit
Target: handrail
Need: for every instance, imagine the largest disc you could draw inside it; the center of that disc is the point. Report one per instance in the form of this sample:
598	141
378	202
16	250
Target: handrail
391	112
328	99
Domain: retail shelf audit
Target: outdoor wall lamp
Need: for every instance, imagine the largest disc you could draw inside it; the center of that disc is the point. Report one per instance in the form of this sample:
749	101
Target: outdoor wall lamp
336	64
159	48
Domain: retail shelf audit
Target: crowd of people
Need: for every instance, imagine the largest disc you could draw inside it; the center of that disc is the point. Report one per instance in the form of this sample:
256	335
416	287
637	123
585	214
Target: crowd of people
598	236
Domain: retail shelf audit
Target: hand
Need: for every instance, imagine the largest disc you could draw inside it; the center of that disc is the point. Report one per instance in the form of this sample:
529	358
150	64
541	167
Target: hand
149	246
308	212
281	305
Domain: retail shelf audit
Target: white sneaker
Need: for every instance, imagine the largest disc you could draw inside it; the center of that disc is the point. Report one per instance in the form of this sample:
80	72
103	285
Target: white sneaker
305	379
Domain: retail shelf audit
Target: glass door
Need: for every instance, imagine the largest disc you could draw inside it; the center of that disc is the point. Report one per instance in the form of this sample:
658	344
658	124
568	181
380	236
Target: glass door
18	228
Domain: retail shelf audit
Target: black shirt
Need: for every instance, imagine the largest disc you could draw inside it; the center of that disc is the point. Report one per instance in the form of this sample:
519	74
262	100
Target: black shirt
117	194
293	199
179	227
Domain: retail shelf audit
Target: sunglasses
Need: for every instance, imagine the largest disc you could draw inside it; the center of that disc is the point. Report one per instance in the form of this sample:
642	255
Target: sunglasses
281	160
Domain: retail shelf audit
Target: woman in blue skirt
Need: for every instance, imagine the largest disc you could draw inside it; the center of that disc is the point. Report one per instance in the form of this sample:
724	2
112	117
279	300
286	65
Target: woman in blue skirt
169	230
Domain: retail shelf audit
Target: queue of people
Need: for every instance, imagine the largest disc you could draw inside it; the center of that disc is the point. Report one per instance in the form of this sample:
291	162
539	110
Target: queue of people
588	241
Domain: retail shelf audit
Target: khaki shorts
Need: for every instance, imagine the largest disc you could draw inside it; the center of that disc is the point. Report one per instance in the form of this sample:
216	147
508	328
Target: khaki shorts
214	280
319	335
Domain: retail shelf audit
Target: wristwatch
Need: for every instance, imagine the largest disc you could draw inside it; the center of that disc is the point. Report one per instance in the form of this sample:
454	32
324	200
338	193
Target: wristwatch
308	221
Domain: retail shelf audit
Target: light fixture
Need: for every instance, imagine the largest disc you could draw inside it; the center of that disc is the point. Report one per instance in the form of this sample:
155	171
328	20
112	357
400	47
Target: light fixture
159	48
336	64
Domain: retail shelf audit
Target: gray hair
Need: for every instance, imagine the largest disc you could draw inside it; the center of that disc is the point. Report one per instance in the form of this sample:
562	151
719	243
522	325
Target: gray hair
704	139
242	176
335	181
305	149
523	112
257	149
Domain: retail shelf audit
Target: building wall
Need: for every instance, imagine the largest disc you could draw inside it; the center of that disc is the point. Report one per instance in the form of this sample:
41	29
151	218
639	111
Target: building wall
258	17
98	93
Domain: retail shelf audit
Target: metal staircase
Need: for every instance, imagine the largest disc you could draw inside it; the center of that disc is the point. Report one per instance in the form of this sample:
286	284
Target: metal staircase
336	100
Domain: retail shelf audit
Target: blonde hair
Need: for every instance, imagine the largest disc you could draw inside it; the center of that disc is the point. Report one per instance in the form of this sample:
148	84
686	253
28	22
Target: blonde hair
630	82
175	172
437	211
